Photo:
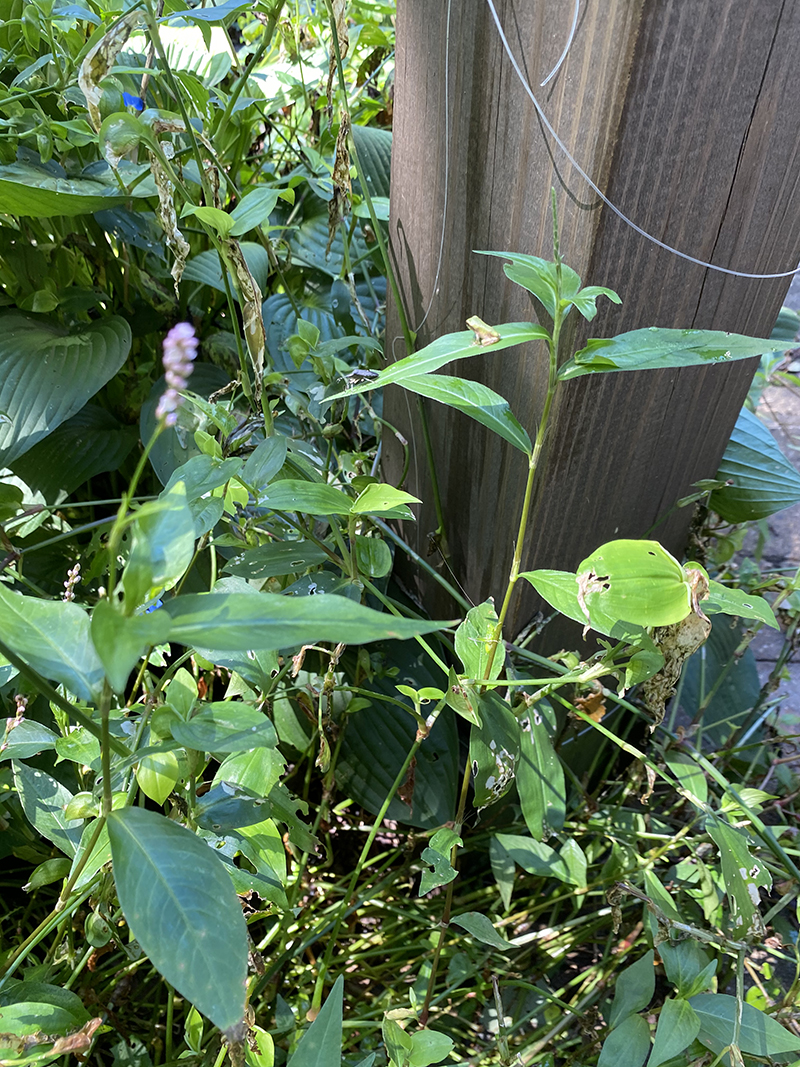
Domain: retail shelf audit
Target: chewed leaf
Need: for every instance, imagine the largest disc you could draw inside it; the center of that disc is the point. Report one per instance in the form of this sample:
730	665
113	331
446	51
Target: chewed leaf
738	602
638	581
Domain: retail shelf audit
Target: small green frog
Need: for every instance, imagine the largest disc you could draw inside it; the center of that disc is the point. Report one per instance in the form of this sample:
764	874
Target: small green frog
484	334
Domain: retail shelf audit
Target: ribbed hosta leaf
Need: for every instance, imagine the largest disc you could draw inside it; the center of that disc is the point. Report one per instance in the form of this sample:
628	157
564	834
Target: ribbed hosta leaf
48	373
764	481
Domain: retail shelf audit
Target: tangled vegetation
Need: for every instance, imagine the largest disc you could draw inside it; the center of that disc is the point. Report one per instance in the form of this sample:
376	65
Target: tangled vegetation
255	804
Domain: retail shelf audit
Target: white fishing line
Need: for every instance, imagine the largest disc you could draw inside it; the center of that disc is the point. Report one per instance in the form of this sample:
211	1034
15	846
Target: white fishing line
567	46
598	191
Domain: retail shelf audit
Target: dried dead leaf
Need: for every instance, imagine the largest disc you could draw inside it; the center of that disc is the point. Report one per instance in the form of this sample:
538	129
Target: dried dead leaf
250	294
593	704
339	205
99	60
339	8
168	219
81	1039
675	643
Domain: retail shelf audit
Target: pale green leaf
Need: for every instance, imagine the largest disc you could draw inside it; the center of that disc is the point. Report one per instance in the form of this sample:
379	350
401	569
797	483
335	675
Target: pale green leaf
162	546
321	1044
759	1035
481	928
308	497
254	209
678	1026
534	856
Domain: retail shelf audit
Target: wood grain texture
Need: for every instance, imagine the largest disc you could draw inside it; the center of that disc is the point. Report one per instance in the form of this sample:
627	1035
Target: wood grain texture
685	115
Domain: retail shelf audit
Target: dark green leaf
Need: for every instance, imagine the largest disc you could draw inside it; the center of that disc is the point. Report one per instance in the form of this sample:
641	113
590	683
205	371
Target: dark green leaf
277	558
374	147
475	400
27	738
737	602
226	726
162	546
481	928
180	904
264	463
493	750
743	875
764	481
90	443
52	636
686	964
236	621
28	189
628	1043
121	639
656	349
43	800
205	267
48	373
534	856
540	776
321	1044
678	1026
633	990
759	1034
373	556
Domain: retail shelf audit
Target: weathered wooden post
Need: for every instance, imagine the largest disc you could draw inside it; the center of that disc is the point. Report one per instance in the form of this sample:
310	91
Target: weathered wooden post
685	115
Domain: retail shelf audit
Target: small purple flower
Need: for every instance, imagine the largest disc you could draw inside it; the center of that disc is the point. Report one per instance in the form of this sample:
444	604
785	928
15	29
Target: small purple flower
180	349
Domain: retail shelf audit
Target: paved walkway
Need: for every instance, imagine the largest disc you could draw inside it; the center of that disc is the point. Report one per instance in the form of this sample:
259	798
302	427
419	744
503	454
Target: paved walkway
780	410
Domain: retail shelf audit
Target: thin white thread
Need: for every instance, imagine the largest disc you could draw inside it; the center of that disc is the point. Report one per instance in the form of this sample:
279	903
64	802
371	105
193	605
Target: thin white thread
446	165
567	46
603	197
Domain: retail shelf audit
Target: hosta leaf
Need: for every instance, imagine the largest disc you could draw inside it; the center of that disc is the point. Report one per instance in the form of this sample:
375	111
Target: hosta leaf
447	349
764	481
28	189
205	268
309	243
475	400
181	907
374	147
91	442
655	348
48	373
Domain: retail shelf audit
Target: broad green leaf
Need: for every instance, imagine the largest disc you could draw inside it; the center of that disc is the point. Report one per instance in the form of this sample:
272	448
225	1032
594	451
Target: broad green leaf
37	1008
540	776
225	808
575	859
539	277
214	217
743	875
254	209
688	966
46	873
259	1048
236	621
27	738
162	547
473	642
226	726
321	1044
473	399
764	481
47	374
727	601
90	443
377	740
481	928
678	1026
428	1047
759	1034
493	750
397	1042
634	581
43	800
534	856
628	1043
633	990
382	499
447	349
200	475
308	497
52	636
256	770
309	245
656	349
28	189
263	464
179	903
437	854
277	558
374	147
120	639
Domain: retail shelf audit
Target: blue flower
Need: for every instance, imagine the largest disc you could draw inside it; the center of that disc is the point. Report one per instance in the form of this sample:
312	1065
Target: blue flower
133	101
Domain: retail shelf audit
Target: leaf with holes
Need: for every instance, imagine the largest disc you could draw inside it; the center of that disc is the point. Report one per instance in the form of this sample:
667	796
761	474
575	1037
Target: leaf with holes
48	373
